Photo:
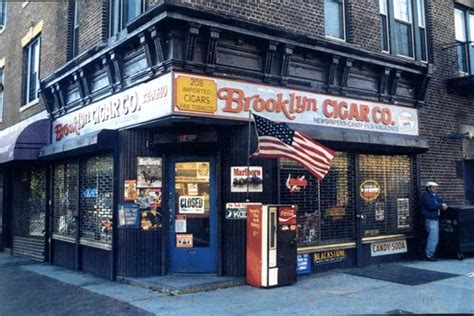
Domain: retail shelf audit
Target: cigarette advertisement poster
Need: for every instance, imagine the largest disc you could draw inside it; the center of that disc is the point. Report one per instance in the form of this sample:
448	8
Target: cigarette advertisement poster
128	215
130	190
243	177
184	240
149	172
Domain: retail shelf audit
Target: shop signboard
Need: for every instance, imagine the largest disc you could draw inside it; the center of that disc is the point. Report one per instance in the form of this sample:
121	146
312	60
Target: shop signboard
129	215
329	256
223	98
388	247
246	178
139	104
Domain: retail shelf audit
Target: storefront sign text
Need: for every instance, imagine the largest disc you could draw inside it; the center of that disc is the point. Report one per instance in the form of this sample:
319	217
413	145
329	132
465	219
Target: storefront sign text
191	204
129	215
329	256
195	95
295	184
236	210
303	264
246	178
369	190
388	248
139	104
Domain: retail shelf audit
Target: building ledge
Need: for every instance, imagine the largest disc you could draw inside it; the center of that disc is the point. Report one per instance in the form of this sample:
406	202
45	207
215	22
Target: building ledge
462	85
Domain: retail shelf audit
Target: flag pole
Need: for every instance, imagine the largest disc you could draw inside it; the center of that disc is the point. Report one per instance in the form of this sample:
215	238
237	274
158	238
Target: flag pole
248	156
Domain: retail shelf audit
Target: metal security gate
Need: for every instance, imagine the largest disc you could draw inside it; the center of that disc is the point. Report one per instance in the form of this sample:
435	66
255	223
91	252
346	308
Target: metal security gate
29	212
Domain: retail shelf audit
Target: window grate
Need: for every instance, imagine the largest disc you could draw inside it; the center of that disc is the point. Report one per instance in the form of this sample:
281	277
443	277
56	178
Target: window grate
96	199
393	210
325	208
65	198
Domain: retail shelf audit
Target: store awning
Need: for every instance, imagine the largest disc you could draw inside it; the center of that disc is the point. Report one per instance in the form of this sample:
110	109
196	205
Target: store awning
23	141
102	140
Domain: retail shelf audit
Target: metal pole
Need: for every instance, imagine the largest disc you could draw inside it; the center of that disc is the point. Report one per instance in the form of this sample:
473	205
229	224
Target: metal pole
248	156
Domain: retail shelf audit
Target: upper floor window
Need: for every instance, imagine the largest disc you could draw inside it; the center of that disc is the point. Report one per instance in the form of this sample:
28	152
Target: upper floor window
403	28
75	29
122	12
464	26
1	94
334	24
3	14
31	70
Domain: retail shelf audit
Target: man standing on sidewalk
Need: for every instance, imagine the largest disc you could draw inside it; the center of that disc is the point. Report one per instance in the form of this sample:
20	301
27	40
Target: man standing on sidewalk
431	206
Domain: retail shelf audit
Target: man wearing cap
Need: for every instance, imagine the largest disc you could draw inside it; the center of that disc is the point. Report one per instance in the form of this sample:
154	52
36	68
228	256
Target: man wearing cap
431	206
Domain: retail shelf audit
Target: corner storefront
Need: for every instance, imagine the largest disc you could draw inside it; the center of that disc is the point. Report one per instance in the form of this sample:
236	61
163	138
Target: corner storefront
151	180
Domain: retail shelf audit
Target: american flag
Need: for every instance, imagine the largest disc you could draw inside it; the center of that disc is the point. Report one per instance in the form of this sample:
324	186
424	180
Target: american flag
277	140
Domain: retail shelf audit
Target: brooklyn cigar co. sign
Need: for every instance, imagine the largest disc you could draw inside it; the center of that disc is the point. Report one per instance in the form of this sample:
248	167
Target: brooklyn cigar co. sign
206	96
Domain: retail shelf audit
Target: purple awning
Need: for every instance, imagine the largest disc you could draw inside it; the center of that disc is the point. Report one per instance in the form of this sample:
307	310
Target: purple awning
23	140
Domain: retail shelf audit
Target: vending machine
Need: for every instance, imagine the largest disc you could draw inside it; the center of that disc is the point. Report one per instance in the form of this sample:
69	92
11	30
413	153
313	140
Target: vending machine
271	245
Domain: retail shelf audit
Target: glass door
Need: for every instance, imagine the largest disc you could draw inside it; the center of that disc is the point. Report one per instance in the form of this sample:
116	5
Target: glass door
192	234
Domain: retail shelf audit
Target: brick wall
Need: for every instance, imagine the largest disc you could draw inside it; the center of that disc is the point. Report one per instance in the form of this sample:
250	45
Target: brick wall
444	112
53	53
92	23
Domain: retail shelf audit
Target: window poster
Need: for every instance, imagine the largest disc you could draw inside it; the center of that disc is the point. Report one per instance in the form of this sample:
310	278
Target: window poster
149	172
130	190
184	240
128	215
147	197
246	178
379	211
403	210
180	224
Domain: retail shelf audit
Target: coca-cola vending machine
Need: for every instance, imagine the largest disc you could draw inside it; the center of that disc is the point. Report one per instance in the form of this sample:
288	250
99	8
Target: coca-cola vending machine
271	245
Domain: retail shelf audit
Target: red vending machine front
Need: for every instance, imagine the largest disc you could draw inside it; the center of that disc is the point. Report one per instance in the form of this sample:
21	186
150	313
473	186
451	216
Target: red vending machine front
271	245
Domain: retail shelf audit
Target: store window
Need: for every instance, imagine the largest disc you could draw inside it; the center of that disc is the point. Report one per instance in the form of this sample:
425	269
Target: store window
31	71
122	12
65	191
387	194
3	14
83	199
334	24
403	28
325	208
464	26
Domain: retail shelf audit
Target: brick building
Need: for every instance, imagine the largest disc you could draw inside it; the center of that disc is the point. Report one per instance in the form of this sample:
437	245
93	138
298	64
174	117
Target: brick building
148	105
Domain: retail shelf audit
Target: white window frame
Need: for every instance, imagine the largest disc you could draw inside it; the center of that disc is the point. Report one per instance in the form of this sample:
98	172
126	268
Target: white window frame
383	9
400	19
343	39
27	100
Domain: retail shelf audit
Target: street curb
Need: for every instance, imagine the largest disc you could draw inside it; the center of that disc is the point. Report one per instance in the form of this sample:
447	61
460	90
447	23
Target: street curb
170	290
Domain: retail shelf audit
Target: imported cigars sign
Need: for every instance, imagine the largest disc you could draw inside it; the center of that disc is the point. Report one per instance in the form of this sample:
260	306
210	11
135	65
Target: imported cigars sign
231	99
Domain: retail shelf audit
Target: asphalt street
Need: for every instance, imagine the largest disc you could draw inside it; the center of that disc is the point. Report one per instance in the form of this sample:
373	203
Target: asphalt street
28	288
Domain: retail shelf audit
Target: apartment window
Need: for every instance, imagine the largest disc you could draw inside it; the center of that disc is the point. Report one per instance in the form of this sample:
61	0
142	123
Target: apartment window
1	94
31	71
385	37
464	26
122	12
403	28
3	14
75	29
334	19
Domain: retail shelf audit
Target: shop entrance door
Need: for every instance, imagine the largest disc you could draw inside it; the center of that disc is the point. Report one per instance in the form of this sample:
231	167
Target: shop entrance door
192	215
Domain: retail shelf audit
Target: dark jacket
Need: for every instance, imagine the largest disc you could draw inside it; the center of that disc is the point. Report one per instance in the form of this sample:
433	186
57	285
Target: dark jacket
431	205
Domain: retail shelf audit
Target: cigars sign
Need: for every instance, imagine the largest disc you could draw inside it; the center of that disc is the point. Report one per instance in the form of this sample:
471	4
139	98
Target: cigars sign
197	95
138	104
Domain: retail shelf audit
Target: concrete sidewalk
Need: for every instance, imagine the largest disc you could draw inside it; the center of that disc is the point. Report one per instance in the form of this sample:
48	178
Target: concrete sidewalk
334	292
